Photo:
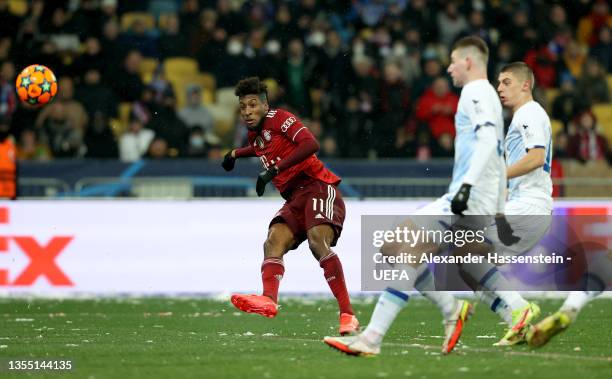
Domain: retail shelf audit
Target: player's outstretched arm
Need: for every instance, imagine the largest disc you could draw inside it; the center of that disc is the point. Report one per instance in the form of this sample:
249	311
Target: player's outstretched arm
229	160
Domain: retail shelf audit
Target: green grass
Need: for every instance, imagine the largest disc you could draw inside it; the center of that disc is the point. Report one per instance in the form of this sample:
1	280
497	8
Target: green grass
140	338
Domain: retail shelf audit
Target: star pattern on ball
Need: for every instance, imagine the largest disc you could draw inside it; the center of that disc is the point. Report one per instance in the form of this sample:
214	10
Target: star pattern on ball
39	68
46	87
25	82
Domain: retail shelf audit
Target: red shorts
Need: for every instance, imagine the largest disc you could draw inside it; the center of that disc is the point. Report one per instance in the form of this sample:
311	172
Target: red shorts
314	204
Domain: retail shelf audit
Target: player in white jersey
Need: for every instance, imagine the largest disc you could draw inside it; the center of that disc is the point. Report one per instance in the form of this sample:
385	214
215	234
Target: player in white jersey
477	188
528	152
528	149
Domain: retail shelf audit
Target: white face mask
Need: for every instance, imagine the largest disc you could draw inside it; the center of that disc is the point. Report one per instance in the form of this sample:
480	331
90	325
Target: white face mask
234	48
316	39
273	46
196	141
399	50
358	48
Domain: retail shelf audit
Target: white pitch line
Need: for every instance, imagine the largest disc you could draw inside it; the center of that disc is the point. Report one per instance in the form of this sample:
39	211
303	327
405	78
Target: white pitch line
533	354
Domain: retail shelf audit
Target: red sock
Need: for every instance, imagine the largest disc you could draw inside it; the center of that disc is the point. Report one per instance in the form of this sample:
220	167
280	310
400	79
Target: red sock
332	270
272	270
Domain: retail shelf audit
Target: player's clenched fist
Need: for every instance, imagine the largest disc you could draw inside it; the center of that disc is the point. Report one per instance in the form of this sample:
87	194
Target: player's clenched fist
228	161
264	178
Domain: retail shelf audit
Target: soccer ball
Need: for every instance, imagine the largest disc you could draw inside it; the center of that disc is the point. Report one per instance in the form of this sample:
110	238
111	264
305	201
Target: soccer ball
36	85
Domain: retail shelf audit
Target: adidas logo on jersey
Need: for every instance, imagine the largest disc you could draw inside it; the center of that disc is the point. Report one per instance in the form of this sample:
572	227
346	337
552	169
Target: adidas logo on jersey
319	216
271	114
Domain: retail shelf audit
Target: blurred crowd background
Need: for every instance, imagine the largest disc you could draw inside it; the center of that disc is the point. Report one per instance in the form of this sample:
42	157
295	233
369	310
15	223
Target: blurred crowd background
155	78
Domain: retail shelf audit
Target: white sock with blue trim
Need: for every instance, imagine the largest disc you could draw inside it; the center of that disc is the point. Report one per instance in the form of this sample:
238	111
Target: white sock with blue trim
389	304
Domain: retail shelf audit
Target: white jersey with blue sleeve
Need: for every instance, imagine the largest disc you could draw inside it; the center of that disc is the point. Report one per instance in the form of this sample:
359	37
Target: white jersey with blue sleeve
530	129
479	148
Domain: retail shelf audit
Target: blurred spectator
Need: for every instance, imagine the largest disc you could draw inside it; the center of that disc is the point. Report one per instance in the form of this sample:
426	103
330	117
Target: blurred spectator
8	99
188	18
134	143
297	77
394	107
503	56
197	146
139	38
408	53
592	86
87	19
354	122
573	59
160	86
95	95
423	146
422	17
9	23
587	144
126	81
555	23
232	65
437	108
444	146
169	127
112	49
451	23
477	27
230	20
99	140
158	149
6	48
568	103
171	43
74	110
521	33
590	25
432	69
31	148
602	51
544	65
195	114
329	147
91	58
561	145
60	131
284	28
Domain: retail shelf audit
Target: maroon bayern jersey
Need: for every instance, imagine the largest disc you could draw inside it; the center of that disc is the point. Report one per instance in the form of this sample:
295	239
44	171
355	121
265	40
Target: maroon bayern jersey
276	141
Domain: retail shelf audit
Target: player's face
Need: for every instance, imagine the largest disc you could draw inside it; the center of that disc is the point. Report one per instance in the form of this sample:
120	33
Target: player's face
509	89
458	68
252	110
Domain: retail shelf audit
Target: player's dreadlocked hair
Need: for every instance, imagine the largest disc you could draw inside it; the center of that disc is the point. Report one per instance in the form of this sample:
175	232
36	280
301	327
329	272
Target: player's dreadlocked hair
252	86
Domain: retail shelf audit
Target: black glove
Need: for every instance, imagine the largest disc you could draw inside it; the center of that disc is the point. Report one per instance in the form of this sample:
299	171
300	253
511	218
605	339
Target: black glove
228	161
459	202
505	232
264	178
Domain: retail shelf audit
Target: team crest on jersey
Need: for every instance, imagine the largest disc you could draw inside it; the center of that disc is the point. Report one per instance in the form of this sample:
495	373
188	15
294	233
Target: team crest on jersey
259	141
267	135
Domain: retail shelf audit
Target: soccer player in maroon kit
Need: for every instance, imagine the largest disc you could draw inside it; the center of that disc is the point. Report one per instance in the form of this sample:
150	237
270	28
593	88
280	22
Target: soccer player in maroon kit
313	211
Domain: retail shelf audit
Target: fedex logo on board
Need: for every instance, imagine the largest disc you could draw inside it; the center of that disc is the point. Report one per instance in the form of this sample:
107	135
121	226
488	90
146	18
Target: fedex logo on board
42	257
